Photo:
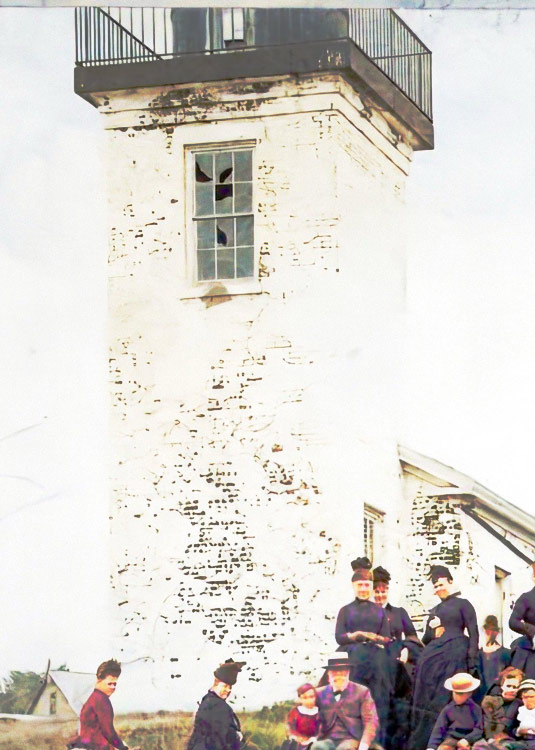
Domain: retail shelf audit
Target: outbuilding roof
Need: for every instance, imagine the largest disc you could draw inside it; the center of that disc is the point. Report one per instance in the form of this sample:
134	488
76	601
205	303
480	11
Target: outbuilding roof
492	511
75	686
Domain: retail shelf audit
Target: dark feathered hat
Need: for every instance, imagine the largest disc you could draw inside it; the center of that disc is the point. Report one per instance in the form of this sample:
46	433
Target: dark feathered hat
362	569
228	671
380	575
439	571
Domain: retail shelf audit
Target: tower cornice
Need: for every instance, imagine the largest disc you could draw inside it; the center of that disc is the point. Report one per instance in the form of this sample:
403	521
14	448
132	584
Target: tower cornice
97	83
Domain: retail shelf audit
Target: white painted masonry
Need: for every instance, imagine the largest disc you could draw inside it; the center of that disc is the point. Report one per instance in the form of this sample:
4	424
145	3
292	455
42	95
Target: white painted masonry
249	430
254	420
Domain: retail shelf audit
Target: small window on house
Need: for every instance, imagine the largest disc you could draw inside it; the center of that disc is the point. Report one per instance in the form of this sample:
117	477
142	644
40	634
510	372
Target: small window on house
372	524
53	706
233	25
223	214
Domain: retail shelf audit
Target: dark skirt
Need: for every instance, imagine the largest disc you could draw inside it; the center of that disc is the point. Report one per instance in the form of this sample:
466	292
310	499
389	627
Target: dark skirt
438	661
402	675
370	666
523	656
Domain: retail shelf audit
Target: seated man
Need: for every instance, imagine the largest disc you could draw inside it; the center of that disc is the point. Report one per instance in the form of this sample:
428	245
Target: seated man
348	718
216	726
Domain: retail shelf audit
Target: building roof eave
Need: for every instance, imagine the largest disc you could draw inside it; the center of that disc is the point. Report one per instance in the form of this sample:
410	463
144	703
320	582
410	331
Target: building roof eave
453	483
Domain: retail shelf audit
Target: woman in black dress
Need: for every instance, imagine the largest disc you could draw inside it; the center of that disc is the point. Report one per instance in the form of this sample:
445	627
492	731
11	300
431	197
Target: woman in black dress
522	621
403	652
448	650
362	631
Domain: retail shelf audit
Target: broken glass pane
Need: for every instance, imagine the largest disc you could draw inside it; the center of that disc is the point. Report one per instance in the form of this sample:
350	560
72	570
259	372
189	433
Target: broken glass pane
225	263
243	166
244	262
205	234
203	168
204	199
223	166
206	264
225	232
223	196
243	200
244	230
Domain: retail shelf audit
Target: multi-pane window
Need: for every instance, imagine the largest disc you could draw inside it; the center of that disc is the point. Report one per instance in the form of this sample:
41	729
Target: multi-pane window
371	526
223	214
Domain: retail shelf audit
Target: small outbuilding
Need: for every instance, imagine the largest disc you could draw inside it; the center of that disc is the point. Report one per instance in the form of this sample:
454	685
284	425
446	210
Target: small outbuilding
62	694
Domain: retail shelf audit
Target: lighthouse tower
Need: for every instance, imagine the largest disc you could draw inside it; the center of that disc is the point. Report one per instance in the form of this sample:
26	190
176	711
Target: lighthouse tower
256	166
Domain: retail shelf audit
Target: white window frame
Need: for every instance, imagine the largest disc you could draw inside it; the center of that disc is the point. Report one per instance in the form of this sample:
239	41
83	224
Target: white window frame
375	518
215	287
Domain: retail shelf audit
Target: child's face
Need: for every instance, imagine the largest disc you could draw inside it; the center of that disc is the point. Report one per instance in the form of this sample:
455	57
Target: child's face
460	698
509	687
528	698
308	699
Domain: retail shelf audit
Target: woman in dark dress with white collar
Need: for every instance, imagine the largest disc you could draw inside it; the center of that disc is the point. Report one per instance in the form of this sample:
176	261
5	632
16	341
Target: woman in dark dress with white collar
362	630
451	641
522	621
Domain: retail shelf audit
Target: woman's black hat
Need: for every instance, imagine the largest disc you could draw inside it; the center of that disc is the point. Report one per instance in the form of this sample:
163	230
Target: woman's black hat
362	569
228	671
439	571
380	575
361	562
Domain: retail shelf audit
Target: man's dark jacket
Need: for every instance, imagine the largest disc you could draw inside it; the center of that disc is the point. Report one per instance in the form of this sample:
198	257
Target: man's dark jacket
216	726
355	711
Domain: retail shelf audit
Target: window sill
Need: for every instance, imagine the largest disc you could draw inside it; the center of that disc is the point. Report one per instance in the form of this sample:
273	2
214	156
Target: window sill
232	288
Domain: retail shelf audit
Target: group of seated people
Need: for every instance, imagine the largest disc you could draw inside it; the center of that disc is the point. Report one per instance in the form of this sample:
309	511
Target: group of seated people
384	688
505	720
440	691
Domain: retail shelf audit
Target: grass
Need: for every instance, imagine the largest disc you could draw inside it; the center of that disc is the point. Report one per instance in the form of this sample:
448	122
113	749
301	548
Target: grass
160	731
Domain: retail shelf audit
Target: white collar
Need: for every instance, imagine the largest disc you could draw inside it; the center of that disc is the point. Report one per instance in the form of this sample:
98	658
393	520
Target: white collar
307	711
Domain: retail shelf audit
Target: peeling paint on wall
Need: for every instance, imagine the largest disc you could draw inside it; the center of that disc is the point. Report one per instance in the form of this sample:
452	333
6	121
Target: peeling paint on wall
248	435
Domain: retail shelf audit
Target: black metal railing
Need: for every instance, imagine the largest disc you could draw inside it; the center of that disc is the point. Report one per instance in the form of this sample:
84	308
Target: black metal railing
396	50
107	36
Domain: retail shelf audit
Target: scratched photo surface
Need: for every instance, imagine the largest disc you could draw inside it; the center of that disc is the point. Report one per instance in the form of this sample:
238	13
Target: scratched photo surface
258	322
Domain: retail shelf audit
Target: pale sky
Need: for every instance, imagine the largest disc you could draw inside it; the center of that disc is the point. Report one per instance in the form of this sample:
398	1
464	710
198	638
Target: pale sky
471	326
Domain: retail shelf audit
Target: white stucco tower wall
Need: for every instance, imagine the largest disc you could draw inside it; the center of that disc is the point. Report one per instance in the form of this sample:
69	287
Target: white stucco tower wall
249	429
